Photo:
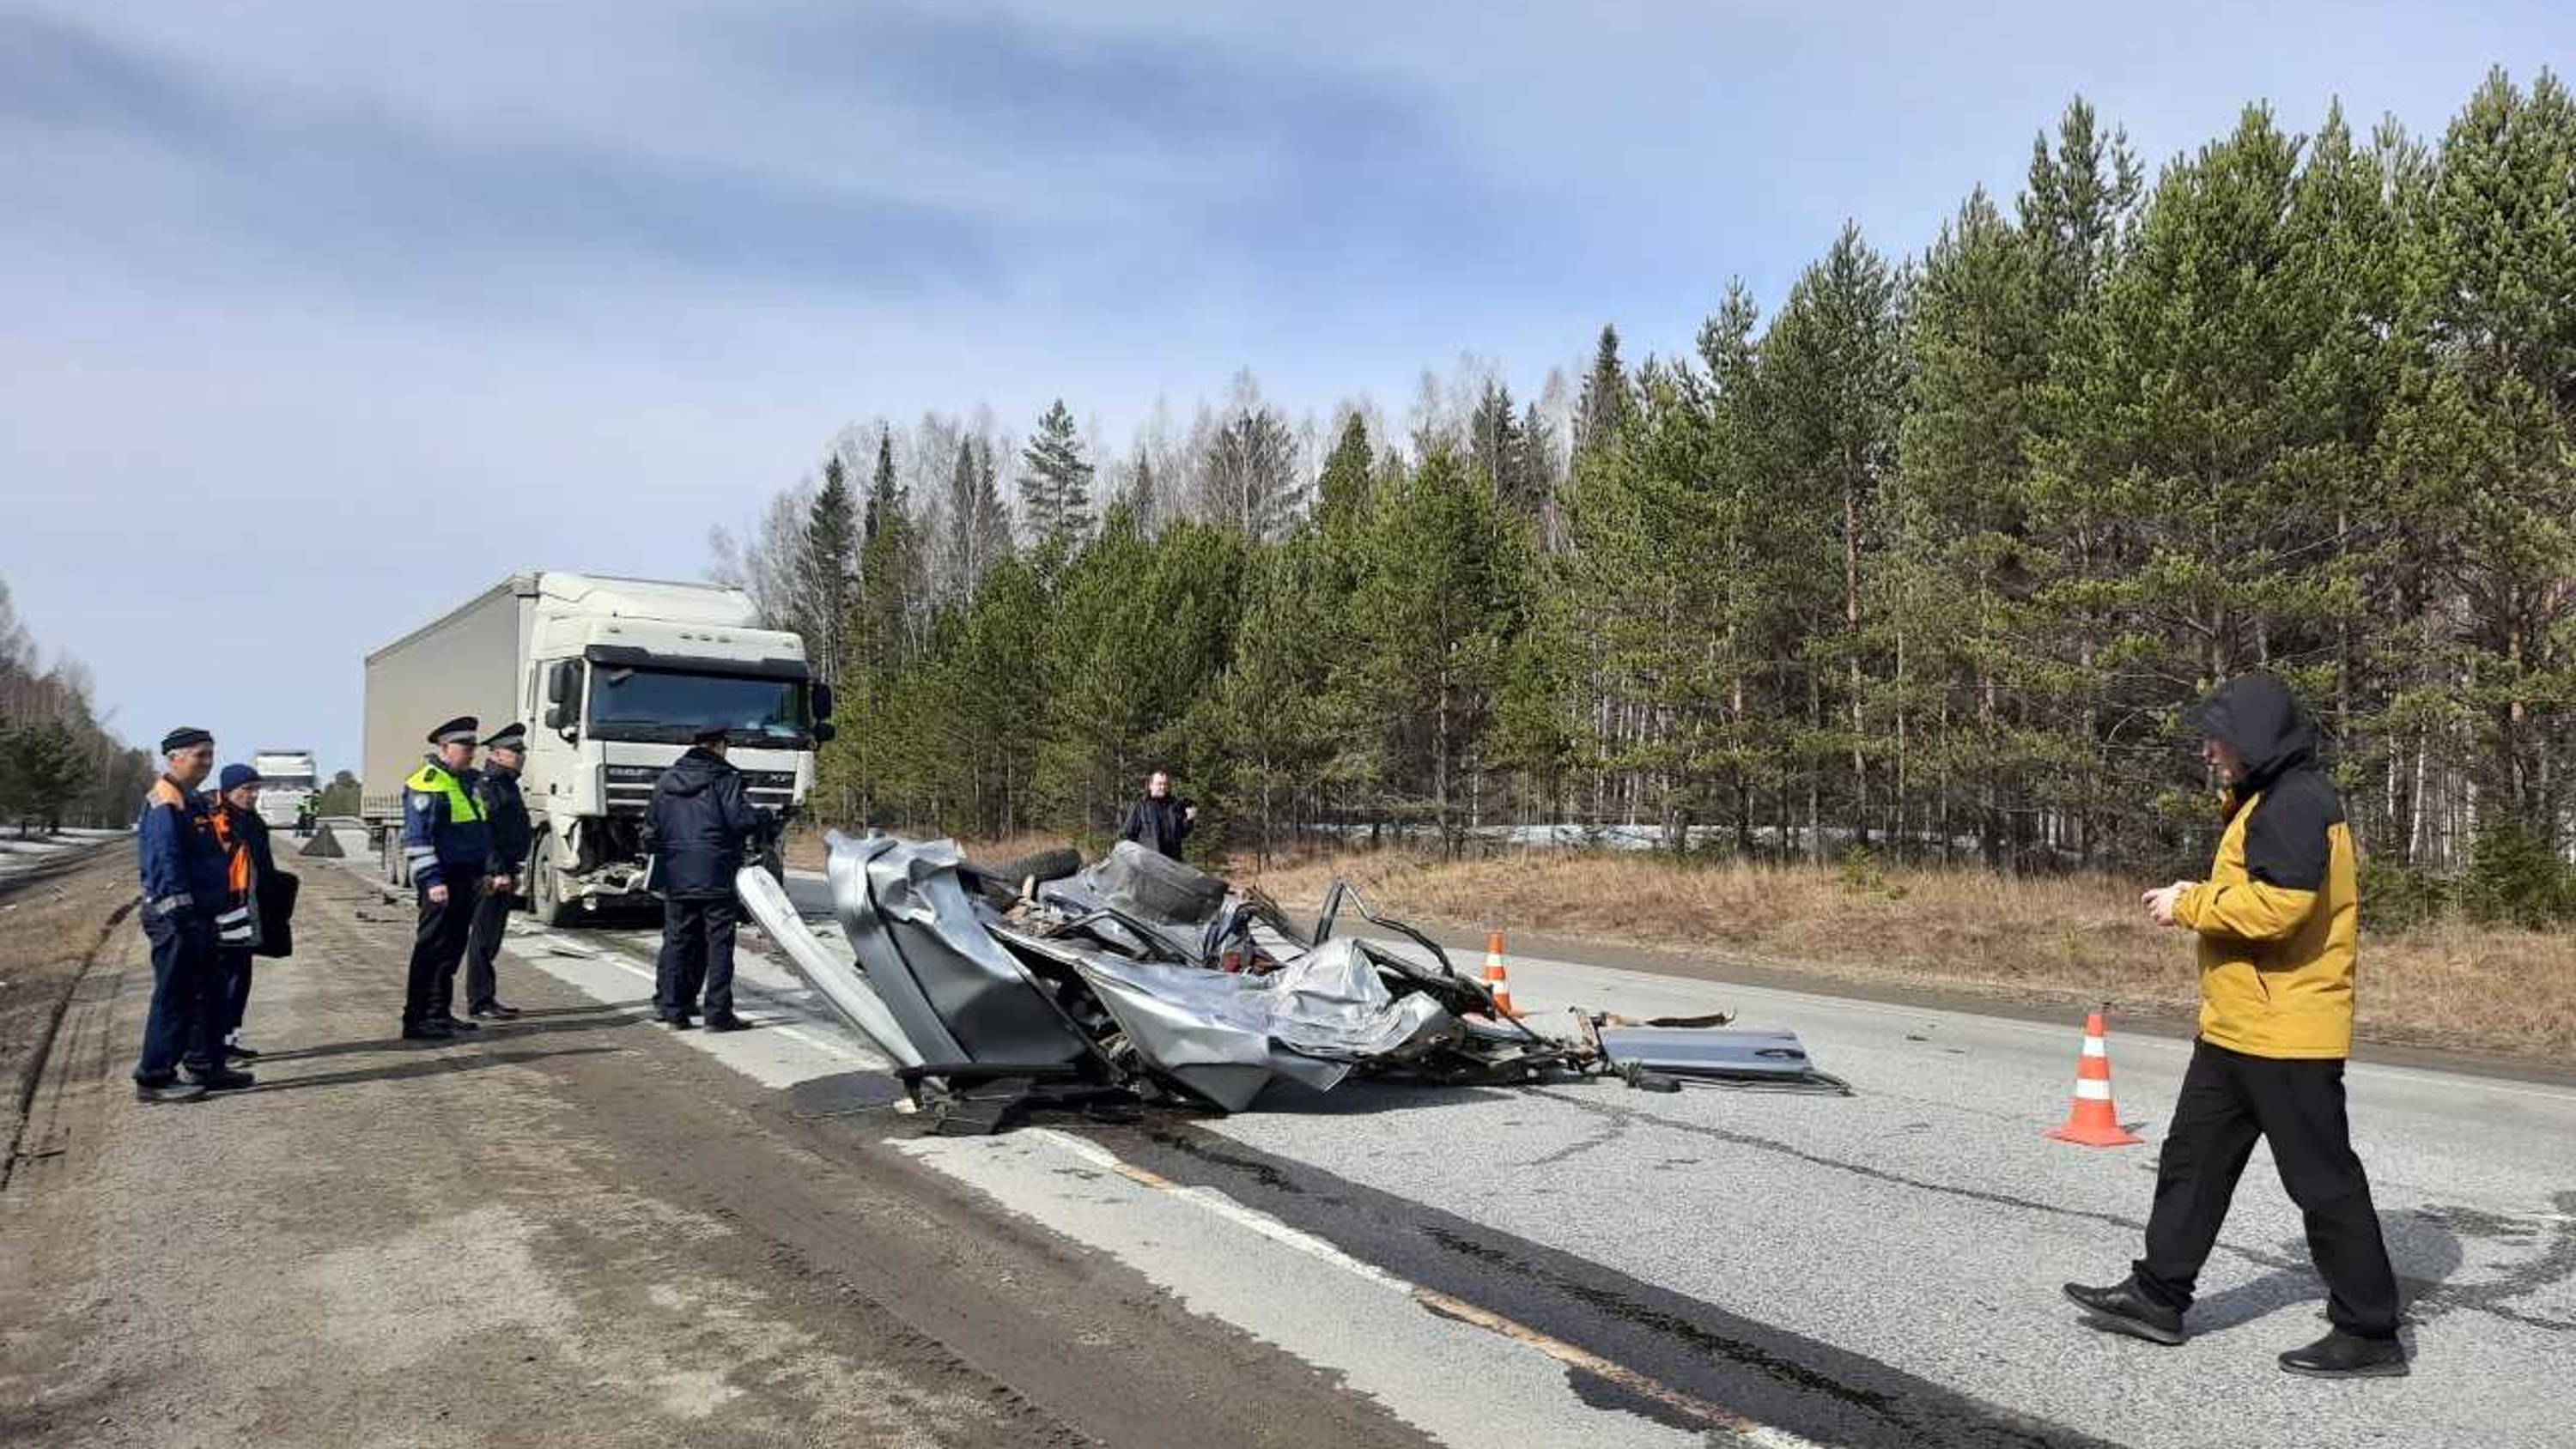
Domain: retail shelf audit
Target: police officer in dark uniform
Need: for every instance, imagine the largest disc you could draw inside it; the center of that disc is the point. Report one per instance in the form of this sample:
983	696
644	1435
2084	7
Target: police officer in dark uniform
186	875
505	817
698	822
450	854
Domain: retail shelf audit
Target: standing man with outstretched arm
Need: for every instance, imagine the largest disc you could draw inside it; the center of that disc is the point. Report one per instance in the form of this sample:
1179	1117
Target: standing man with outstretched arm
1160	821
449	853
505	818
185	879
2276	922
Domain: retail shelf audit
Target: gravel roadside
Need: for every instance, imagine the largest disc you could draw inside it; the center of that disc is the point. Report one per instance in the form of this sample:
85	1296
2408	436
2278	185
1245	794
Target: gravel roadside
567	1231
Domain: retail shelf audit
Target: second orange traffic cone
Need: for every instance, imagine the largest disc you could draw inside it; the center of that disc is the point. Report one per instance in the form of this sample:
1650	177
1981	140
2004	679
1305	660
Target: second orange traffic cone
1498	980
2093	1121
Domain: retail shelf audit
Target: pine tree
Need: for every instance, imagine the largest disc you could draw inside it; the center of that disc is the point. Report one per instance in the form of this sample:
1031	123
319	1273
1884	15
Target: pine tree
1976	339
1055	488
2485	431
826	569
1498	449
1605	401
978	530
1833	378
1433	624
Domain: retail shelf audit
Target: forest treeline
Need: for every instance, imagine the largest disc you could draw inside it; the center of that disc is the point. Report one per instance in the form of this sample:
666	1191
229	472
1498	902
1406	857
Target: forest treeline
60	764
1925	562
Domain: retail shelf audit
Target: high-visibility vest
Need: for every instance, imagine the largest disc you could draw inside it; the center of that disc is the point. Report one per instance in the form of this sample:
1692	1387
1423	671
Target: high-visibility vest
461	806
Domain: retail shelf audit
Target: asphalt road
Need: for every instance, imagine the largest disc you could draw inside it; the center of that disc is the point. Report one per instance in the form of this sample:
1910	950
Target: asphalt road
1581	1263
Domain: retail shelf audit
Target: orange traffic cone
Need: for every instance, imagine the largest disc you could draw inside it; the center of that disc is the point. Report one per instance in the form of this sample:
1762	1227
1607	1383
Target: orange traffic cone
2093	1121
1497	980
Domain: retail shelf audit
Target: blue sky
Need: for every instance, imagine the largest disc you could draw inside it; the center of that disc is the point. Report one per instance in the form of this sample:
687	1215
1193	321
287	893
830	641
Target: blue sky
321	315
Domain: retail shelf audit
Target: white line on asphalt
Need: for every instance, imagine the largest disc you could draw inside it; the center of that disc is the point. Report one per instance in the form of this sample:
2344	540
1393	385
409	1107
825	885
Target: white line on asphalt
792	1033
1447	1305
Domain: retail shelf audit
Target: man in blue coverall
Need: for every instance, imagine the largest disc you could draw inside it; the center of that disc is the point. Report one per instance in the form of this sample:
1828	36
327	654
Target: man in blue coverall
186	876
449	851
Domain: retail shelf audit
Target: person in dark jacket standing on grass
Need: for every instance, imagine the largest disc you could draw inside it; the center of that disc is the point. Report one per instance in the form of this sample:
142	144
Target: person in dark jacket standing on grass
699	821
2276	922
185	879
1159	822
505	818
248	865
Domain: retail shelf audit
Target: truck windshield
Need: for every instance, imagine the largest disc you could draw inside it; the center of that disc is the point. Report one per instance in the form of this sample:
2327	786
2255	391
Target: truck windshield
669	707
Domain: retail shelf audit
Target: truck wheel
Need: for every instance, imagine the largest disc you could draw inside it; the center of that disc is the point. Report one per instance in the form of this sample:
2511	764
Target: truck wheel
1046	865
545	890
999	881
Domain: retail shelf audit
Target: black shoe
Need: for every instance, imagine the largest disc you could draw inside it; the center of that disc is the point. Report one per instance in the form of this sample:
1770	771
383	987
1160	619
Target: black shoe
221	1079
676	1020
2121	1308
2341	1355
167	1089
495	1010
453	1025
426	1031
240	1054
726	1022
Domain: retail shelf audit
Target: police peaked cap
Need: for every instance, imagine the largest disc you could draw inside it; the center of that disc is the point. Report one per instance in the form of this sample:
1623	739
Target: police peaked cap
511	736
185	737
458	731
711	735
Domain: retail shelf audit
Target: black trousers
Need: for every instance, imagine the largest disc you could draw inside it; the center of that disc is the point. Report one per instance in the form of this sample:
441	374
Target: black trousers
2228	1100
437	945
697	955
483	944
236	975
186	1020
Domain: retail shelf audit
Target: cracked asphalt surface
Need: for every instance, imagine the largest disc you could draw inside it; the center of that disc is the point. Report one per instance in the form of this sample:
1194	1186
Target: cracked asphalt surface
582	1229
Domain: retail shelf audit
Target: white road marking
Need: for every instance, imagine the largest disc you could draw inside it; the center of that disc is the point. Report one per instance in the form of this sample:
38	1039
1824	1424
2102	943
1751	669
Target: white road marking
1446	1305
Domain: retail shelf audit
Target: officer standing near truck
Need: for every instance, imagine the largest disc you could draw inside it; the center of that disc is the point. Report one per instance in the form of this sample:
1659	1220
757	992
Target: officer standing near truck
450	852
505	816
696	827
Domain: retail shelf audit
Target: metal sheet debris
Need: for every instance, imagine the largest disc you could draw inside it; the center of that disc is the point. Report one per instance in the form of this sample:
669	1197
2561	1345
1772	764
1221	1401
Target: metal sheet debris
1142	980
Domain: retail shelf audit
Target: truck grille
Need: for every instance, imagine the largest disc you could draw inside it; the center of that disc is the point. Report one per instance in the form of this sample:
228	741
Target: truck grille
630	788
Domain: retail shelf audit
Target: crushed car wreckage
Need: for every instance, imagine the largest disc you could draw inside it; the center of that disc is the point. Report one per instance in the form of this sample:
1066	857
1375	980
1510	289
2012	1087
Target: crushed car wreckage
1041	983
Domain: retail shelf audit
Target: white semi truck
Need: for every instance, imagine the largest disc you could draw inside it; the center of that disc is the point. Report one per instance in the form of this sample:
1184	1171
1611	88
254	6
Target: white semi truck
611	677
286	781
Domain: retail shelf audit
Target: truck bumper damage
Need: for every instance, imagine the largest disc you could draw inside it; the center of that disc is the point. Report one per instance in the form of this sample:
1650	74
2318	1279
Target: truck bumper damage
1139	980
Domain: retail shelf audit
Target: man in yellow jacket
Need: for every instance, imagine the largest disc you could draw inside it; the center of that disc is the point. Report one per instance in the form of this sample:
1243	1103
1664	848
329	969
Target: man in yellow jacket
2276	922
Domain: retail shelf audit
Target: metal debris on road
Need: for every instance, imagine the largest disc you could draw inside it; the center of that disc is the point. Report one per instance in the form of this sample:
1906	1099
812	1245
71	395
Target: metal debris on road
1040	983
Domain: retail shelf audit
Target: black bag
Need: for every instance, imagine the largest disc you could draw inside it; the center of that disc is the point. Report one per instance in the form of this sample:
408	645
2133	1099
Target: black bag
277	892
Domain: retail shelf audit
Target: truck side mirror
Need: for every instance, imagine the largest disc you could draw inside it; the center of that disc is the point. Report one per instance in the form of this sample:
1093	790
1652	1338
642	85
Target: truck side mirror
560	688
823	732
822	704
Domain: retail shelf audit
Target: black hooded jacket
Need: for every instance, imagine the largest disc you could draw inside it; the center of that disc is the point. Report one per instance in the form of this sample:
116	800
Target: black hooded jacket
2286	840
698	822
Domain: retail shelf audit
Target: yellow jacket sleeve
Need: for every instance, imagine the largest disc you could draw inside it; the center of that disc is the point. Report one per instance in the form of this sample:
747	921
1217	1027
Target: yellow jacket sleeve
2244	910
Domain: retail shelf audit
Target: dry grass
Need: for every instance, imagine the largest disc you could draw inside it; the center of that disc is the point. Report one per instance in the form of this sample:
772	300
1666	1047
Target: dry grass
2073	941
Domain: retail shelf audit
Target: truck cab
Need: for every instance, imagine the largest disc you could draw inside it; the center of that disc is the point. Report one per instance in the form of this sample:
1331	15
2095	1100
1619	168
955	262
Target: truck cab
612	678
286	781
